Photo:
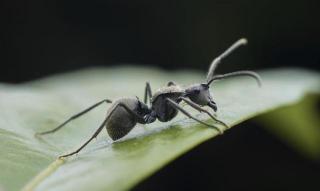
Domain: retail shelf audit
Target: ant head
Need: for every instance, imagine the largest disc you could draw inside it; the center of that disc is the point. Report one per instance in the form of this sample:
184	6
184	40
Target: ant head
200	94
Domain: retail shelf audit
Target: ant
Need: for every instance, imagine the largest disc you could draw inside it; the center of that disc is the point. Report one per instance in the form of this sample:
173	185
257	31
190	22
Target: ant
125	113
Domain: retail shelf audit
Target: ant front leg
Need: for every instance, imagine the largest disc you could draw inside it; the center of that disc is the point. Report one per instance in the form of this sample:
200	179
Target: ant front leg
200	109
178	107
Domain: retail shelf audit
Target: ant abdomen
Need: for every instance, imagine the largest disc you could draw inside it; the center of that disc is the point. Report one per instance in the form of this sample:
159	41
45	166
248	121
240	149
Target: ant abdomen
121	121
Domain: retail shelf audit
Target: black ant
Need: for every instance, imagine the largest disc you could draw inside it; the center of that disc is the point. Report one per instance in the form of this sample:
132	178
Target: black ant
125	113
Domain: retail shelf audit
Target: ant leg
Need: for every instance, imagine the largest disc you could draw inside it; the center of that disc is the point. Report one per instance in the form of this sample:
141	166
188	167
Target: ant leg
101	127
87	142
147	93
200	109
177	106
138	117
74	117
218	59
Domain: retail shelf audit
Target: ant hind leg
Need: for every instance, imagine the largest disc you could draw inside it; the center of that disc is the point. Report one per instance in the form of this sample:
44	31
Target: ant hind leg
87	142
74	117
102	126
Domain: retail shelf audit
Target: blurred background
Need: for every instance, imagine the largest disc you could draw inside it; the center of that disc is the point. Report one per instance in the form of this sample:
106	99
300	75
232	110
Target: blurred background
39	38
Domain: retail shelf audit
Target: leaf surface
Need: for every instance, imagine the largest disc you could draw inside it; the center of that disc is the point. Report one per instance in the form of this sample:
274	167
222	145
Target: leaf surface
31	163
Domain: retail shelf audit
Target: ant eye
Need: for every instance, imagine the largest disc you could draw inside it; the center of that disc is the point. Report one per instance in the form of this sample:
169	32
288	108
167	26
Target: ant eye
205	86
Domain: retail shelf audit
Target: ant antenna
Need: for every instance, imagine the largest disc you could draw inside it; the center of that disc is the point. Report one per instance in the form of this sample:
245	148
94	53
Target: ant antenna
218	59
237	73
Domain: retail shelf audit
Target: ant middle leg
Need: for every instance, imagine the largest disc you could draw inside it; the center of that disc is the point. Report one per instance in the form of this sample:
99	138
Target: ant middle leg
74	117
147	93
177	106
200	109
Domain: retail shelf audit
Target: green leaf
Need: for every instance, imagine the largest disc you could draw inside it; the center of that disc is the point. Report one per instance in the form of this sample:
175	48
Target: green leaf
31	163
297	125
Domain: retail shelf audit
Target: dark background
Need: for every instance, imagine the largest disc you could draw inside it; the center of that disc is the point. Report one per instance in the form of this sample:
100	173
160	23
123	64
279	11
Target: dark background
44	37
39	38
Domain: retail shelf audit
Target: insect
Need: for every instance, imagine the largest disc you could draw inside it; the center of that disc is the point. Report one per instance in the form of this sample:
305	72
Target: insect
125	113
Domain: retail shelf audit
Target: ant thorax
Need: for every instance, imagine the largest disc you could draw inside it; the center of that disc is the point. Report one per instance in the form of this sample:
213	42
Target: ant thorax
172	89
